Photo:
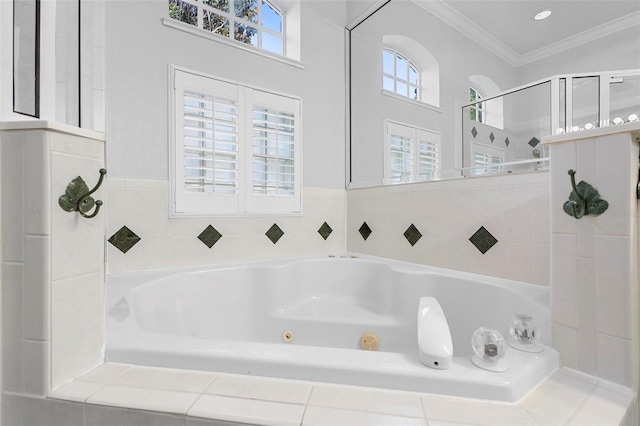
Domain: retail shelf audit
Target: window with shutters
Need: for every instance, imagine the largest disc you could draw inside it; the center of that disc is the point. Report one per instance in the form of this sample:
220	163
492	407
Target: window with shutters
412	154
487	159
235	149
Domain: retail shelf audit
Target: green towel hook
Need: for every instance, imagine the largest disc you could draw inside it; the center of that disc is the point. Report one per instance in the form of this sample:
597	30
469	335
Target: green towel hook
78	198
584	199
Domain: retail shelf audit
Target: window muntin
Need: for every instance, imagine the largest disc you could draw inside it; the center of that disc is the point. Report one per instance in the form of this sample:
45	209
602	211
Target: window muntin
236	149
477	112
400	75
254	22
413	154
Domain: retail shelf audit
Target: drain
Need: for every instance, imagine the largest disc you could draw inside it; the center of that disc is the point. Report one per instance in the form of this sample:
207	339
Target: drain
369	342
288	336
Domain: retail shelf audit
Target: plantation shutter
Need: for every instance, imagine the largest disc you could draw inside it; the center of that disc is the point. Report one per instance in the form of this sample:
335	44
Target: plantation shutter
428	155
236	149
412	154
208	128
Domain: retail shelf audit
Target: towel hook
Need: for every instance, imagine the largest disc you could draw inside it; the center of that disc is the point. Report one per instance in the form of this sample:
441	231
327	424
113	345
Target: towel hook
78	198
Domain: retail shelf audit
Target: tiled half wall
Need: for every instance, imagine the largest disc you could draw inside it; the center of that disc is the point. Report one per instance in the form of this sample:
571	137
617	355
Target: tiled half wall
495	225
141	236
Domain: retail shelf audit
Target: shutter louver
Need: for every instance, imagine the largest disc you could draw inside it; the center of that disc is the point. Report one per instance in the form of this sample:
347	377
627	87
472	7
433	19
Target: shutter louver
401	158
210	144
429	159
274	147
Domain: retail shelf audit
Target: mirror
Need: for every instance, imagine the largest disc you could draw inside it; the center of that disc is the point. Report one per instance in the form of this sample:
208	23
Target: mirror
427	102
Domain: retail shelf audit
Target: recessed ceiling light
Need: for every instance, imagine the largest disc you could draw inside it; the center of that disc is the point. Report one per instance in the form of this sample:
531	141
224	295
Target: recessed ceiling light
542	15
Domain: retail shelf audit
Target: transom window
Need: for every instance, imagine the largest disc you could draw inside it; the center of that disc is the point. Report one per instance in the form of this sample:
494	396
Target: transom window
254	22
477	112
400	75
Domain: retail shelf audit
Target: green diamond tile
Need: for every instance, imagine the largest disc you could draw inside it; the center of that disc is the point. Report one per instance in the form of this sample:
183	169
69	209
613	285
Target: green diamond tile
325	230
209	236
483	240
365	231
412	234
274	233
124	239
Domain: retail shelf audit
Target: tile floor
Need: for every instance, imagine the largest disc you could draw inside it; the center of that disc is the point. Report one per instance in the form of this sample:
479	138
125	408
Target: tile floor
192	397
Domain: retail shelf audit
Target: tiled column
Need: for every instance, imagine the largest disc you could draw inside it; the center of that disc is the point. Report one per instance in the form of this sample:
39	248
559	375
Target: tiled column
594	274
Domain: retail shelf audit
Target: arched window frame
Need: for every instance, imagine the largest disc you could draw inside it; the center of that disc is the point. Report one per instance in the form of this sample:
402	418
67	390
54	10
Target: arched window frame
405	82
476	112
201	13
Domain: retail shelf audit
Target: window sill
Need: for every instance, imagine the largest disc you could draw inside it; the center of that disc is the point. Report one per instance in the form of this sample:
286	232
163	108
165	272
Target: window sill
411	101
172	23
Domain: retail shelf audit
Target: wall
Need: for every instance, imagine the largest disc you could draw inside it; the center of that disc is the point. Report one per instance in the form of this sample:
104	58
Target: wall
137	152
594	260
513	208
52	260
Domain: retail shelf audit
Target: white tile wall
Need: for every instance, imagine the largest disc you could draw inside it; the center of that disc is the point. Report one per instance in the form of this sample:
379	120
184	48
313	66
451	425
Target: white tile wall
513	208
143	206
45	248
594	274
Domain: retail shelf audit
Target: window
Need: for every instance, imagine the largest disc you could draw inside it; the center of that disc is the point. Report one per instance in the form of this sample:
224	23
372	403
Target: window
254	22
487	159
477	112
413	154
400	75
236	149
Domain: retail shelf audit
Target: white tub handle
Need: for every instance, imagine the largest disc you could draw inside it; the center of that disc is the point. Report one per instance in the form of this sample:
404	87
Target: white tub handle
434	338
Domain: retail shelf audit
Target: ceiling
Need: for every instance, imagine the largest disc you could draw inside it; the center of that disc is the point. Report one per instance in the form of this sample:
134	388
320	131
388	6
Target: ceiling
507	26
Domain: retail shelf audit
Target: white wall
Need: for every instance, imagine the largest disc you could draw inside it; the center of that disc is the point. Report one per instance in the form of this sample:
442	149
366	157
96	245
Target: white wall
137	129
458	57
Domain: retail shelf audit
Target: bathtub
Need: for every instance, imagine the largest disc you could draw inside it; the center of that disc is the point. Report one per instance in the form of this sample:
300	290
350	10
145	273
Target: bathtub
302	318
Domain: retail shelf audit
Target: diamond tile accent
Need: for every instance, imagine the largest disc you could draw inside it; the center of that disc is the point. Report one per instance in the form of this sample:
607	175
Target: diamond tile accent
124	239
483	240
325	230
365	231
209	236
474	132
491	137
412	234
534	142
274	233
507	142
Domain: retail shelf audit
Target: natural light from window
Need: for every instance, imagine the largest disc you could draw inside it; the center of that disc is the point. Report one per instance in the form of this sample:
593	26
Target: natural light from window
257	23
400	75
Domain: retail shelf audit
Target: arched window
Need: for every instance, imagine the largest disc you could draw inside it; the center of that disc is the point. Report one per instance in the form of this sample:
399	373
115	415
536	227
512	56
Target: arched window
254	22
400	75
489	111
417	77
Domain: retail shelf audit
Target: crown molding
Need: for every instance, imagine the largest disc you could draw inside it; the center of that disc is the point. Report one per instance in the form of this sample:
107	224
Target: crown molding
452	17
455	19
584	37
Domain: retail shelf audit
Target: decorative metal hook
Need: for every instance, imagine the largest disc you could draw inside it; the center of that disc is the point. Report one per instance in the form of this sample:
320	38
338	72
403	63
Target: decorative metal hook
584	199
78	198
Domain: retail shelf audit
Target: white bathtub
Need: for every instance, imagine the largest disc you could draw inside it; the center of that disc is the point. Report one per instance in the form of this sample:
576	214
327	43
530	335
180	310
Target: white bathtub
231	318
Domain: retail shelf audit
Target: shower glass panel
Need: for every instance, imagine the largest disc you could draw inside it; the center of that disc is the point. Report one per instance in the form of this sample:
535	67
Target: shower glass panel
26	60
506	137
624	99
585	103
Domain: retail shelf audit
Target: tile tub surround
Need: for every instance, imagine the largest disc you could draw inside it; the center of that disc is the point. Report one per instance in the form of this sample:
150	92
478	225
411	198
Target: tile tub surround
513	209
137	395
142	207
594	275
52	260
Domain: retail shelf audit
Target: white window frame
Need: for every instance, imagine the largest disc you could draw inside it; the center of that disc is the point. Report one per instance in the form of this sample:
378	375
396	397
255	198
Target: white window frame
479	107
245	202
403	79
414	136
201	8
492	159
